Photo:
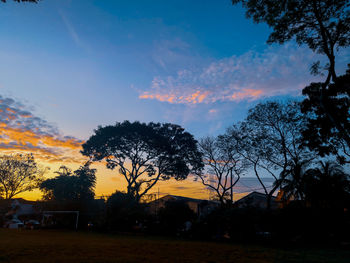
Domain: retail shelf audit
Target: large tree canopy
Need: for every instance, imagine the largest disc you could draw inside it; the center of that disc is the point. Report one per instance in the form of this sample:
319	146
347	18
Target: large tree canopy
323	25
145	153
321	135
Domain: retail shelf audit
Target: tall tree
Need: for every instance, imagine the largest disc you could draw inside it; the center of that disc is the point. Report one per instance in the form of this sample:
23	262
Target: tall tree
70	186
223	167
145	153
19	173
323	25
270	140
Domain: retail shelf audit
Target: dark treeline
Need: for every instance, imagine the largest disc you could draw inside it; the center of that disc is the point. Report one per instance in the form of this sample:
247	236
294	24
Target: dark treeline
312	186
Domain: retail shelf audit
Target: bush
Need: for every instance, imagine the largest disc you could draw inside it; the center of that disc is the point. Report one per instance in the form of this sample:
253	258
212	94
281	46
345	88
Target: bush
124	213
173	217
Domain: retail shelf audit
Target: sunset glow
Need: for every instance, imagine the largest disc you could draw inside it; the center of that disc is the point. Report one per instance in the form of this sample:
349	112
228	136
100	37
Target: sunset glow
94	63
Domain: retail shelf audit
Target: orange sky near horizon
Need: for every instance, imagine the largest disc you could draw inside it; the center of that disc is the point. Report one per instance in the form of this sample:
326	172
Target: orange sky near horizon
109	181
21	132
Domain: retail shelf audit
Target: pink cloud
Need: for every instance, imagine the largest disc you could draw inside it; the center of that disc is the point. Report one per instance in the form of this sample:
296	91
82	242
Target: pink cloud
278	70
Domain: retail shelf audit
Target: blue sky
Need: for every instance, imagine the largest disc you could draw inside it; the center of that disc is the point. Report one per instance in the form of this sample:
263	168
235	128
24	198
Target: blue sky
68	66
79	64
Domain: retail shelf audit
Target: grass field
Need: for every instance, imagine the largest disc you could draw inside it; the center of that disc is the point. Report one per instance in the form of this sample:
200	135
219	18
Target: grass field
55	246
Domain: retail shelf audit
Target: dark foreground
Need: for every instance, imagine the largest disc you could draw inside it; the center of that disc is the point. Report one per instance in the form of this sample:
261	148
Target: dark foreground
55	246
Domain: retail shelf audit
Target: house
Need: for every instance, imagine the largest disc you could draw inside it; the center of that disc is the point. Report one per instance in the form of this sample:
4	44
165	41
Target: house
21	209
198	206
256	200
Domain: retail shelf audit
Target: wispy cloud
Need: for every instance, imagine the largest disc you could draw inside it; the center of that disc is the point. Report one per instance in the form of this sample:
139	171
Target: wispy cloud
278	70
22	131
72	32
170	54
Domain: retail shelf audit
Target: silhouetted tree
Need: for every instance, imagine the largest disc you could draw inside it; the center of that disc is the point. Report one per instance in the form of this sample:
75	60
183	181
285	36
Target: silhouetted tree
145	153
223	167
250	144
270	140
321	134
19	173
323	25
325	185
293	183
70	186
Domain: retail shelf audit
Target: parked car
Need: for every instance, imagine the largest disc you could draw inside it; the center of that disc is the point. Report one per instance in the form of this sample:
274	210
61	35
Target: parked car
14	224
32	224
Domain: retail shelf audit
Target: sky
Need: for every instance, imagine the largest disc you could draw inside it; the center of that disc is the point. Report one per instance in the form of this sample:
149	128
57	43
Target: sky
68	66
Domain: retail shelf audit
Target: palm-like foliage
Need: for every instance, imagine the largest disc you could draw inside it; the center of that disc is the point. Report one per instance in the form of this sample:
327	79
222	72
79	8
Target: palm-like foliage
325	185
292	181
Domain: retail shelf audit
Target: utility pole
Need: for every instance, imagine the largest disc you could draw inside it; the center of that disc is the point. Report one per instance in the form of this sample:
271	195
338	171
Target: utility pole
231	187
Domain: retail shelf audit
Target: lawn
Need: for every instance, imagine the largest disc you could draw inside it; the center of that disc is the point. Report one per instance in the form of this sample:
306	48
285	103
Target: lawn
56	246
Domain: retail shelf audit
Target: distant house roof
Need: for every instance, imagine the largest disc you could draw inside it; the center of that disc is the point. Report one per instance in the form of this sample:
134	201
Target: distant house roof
255	199
8	202
193	203
19	209
180	198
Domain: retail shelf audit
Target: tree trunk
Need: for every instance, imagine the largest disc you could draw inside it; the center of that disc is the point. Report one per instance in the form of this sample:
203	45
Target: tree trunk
268	202
231	192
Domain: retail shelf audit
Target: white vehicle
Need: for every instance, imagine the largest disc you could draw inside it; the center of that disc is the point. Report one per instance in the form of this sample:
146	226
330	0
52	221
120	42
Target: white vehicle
14	224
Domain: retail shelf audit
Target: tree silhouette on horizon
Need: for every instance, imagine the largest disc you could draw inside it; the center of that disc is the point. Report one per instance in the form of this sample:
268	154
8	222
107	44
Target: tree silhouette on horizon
145	153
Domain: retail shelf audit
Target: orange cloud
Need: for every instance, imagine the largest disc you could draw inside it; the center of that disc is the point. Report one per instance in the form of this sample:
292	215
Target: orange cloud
193	98
247	93
10	110
26	115
21	131
204	96
167	98
56	142
46	148
197	97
